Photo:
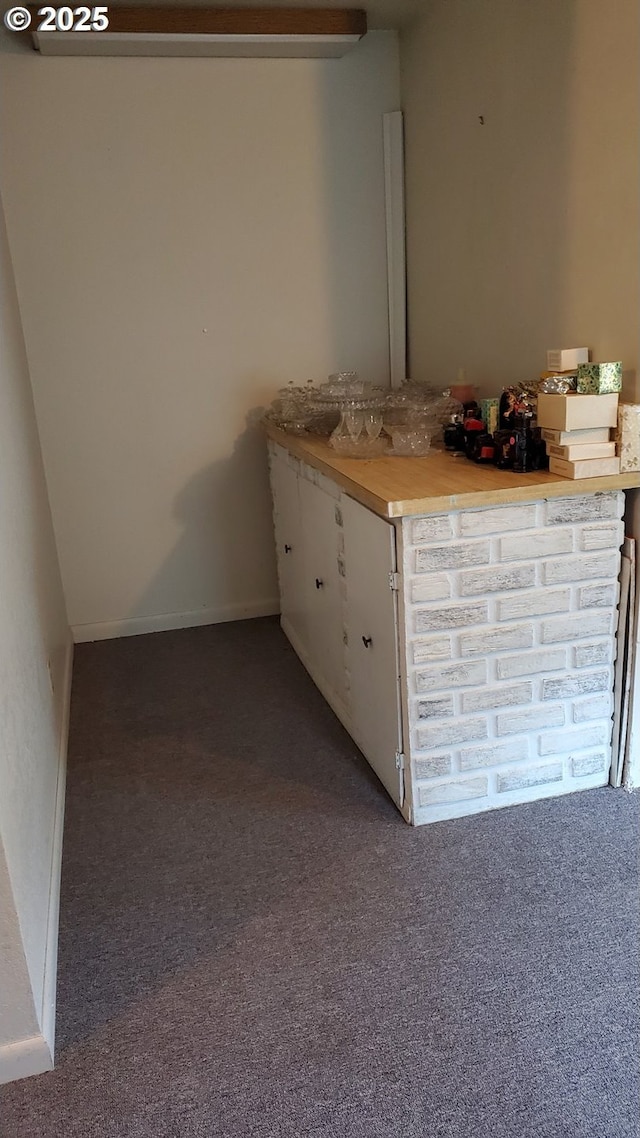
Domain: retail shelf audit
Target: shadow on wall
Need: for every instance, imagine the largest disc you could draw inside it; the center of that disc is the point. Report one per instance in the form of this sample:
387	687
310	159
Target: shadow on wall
226	516
226	548
353	166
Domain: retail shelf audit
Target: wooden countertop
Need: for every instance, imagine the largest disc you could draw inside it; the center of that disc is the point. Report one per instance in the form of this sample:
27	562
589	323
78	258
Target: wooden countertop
399	487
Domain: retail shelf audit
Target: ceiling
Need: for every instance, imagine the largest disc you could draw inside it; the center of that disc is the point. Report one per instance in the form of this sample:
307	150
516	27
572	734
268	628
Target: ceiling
380	13
394	14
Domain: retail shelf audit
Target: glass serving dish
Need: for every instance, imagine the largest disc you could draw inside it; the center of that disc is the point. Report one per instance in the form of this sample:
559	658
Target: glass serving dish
412	399
358	433
326	403
410	442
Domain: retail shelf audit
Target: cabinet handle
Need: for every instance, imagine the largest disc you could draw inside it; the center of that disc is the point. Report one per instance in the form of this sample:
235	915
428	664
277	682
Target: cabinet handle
367	641
319	583
287	549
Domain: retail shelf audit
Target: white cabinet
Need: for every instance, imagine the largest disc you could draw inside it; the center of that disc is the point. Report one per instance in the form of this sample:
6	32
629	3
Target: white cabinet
326	642
307	549
336	567
290	553
372	642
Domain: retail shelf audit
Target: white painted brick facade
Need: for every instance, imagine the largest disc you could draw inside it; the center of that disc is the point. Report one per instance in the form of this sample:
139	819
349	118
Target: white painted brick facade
454	555
496	579
496	639
540	543
510	616
600	707
434	587
531	663
457	675
452	791
432	767
538	602
581	568
497	519
495	753
582	765
498	695
578	626
601	537
556	742
450	616
586	655
432	648
435	528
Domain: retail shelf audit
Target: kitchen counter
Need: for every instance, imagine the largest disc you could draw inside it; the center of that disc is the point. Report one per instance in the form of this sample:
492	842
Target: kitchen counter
395	487
459	619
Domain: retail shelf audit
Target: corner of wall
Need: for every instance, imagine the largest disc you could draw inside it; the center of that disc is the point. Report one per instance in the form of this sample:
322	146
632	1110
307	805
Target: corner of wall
48	1011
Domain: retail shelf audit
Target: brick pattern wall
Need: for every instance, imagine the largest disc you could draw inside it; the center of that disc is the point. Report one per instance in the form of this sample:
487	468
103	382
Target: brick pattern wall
510	620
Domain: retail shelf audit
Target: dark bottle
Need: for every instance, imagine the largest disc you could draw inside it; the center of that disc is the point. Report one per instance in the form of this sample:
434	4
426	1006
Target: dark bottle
472	429
454	436
522	443
539	456
504	450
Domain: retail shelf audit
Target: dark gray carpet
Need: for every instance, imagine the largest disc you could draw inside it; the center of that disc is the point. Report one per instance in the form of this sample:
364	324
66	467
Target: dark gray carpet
253	943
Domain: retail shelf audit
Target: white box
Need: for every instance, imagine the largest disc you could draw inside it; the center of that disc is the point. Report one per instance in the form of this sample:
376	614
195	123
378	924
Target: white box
566	359
579	451
589	468
567	438
574	412
628	436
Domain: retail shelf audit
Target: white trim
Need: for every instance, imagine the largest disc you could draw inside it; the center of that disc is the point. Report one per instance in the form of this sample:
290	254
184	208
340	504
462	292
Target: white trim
194	44
166	622
48	1010
28	1057
393	143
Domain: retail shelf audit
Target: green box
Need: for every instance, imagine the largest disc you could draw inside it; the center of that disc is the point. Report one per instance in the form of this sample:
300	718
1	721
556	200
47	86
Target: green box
599	379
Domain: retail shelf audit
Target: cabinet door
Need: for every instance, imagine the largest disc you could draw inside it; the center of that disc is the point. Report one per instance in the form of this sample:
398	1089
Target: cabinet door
372	642
324	597
289	550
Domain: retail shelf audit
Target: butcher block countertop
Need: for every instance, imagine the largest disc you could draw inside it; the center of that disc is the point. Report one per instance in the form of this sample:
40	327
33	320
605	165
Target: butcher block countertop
400	487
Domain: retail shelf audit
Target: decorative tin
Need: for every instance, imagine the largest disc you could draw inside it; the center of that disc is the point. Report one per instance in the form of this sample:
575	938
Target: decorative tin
489	409
599	379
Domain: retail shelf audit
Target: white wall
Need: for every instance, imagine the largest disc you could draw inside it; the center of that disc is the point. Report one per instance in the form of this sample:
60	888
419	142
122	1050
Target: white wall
188	235
522	232
35	669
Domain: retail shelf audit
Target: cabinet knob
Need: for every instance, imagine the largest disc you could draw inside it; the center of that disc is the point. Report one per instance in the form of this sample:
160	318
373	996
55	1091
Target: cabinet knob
287	549
319	583
367	641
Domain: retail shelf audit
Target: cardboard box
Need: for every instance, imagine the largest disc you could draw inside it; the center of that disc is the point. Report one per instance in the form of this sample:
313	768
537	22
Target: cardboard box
566	359
628	436
599	379
578	451
589	468
574	412
567	438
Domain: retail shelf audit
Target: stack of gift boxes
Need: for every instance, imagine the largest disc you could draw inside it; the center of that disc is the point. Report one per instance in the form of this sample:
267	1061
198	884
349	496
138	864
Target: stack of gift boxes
577	426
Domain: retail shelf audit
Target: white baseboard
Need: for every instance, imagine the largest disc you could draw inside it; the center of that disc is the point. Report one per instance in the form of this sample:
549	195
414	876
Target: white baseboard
28	1057
48	1010
166	622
